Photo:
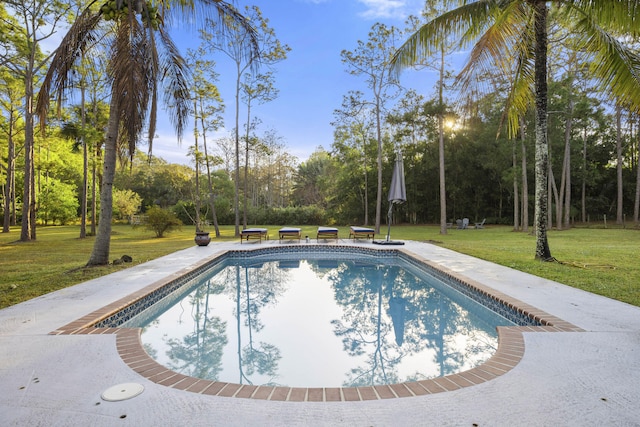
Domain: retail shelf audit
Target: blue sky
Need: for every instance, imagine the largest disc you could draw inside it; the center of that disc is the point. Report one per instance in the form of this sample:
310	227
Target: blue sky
312	80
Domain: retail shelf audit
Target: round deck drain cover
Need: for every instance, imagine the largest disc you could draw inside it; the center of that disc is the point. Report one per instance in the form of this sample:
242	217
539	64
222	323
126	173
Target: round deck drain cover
122	392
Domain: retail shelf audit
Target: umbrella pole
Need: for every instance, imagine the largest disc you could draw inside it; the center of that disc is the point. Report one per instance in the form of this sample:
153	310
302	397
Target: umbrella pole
389	216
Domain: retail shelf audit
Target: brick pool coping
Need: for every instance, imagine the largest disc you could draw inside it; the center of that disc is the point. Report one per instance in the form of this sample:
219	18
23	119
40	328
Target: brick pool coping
509	353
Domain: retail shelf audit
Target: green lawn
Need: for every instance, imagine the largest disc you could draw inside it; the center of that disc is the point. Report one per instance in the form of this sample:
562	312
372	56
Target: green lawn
603	261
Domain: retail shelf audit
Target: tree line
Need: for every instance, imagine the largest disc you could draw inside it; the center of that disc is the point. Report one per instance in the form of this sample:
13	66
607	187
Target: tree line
512	137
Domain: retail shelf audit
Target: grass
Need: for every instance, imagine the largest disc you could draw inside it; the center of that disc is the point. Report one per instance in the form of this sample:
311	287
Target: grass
595	259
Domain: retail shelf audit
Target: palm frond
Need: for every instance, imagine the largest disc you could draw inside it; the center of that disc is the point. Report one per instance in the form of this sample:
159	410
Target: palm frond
521	95
617	16
176	80
132	70
60	77
615	65
463	23
522	89
503	44
505	48
223	13
153	112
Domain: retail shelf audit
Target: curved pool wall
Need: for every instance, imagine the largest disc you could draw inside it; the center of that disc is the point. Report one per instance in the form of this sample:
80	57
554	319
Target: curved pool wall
111	318
318	320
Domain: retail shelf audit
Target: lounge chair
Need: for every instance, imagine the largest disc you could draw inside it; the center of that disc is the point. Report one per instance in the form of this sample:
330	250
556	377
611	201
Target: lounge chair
361	233
289	233
463	223
480	224
254	233
327	233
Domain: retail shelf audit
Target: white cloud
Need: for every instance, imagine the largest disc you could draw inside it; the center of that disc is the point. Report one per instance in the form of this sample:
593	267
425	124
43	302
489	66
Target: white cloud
395	9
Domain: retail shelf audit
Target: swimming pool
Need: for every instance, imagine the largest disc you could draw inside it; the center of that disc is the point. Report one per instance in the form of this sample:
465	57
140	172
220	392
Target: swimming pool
319	318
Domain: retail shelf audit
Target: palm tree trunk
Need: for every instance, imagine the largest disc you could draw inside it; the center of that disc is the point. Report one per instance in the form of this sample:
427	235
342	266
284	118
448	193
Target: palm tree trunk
100	252
542	151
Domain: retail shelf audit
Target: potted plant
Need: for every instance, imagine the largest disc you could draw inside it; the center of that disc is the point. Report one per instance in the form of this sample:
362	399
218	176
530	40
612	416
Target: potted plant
202	237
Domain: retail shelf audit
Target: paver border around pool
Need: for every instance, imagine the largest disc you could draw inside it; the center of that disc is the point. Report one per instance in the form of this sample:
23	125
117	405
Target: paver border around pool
509	353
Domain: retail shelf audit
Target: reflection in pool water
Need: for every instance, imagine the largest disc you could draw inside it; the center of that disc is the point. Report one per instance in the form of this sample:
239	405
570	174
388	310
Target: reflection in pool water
320	323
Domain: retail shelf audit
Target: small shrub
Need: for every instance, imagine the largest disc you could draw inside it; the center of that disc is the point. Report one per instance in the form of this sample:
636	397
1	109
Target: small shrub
125	203
58	202
161	221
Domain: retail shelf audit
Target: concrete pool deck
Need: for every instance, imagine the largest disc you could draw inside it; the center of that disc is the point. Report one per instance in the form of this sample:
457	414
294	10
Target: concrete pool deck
564	378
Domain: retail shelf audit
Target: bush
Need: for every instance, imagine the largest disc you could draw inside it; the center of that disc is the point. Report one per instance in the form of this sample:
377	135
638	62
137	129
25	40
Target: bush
186	211
125	203
58	202
293	215
161	221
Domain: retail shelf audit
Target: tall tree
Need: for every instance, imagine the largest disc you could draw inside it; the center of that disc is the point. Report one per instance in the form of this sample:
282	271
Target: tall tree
371	59
11	125
208	107
636	203
525	177
11	95
315	180
84	129
619	186
269	51
354	123
410	124
260	88
510	36
137	67
38	21
431	10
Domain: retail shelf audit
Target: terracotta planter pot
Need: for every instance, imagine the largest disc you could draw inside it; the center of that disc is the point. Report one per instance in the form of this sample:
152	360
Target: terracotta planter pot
202	238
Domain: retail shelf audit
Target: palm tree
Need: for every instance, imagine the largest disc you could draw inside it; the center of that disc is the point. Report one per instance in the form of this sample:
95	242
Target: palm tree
510	37
138	67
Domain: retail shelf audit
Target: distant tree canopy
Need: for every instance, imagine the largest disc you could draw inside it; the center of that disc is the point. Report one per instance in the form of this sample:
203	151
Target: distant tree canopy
487	168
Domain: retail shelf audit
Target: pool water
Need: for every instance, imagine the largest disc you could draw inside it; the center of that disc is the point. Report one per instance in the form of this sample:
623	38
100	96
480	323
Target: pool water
312	321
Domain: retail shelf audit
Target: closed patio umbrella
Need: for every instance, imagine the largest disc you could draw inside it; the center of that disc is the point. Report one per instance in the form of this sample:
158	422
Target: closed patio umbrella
397	195
397	311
